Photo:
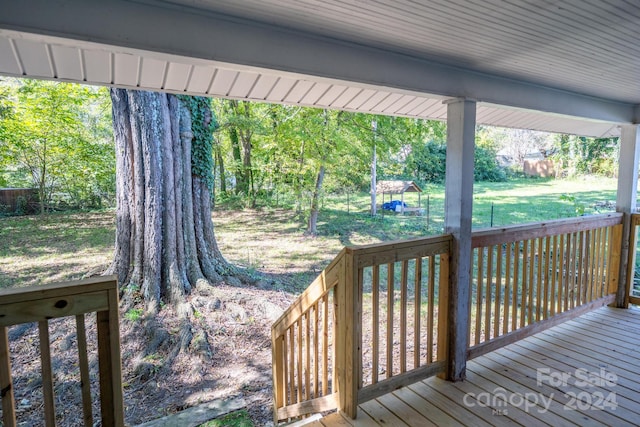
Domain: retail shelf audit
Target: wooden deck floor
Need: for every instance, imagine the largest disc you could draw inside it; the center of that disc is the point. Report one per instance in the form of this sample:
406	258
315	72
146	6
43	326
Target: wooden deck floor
585	372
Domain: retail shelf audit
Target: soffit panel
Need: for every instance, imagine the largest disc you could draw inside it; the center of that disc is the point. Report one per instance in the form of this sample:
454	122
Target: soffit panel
95	64
590	46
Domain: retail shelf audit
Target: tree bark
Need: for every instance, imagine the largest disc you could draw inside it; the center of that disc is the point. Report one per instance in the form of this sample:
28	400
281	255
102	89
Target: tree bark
312	228
221	170
165	242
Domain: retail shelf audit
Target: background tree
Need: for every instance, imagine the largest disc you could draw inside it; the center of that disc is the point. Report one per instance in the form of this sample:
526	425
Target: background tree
583	156
56	138
516	143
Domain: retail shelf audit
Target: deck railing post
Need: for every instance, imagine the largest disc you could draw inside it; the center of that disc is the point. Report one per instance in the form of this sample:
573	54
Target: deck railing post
348	334
461	122
6	384
443	310
279	379
626	197
110	365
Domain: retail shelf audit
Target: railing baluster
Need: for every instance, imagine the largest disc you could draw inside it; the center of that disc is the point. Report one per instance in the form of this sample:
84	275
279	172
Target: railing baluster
600	266
325	345
571	294
83	362
515	288
600	274
6	384
307	368
547	276
599	255
286	385
507	287
530	282
539	297
299	358
554	274
581	266
390	303
292	365
496	310
375	320
47	374
592	259
479	279
525	275
279	371
430	307
488	295
615	253
592	244
417	311
562	279
567	272
316	350
403	315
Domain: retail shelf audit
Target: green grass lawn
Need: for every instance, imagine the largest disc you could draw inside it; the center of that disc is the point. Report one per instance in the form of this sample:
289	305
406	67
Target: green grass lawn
59	247
514	202
234	419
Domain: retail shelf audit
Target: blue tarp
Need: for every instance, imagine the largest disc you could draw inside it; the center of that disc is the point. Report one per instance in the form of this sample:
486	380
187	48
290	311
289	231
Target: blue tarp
391	206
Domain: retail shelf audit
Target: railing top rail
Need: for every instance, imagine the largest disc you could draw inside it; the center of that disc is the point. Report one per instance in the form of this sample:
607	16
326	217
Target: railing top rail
37	303
320	286
93	284
495	236
399	250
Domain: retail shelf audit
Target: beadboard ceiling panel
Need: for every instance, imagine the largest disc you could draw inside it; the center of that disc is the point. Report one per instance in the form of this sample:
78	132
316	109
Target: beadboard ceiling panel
588	46
591	49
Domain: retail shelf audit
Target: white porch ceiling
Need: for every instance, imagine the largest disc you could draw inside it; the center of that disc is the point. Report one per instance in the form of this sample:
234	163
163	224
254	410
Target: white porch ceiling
535	65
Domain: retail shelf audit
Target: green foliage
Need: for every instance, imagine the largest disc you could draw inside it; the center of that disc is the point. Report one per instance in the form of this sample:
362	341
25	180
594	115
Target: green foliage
587	156
56	137
134	314
234	419
427	163
578	207
289	144
203	124
486	167
21	205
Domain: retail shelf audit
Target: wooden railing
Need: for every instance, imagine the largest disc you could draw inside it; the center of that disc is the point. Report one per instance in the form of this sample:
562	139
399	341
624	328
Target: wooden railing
43	303
385	298
526	278
376	319
302	344
633	272
400	311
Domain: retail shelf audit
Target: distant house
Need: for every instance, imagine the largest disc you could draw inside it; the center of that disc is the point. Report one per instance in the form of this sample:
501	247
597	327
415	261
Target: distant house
533	164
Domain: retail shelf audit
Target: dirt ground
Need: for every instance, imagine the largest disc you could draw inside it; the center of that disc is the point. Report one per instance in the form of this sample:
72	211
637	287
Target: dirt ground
232	325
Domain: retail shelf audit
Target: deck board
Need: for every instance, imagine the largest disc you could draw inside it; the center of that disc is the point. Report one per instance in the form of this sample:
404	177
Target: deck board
606	338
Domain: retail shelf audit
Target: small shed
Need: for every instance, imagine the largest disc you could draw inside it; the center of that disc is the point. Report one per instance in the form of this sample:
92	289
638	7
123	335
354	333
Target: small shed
400	187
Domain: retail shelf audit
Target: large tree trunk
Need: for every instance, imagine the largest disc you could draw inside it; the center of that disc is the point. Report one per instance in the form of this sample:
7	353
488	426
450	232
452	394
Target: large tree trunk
165	242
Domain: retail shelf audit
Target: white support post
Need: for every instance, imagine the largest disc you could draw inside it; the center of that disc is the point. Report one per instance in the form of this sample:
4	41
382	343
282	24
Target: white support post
626	201
461	126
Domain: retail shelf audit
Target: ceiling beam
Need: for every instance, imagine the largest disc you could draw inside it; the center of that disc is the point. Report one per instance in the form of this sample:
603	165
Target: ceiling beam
192	33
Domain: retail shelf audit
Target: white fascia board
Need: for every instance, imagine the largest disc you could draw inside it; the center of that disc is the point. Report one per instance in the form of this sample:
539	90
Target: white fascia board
192	33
